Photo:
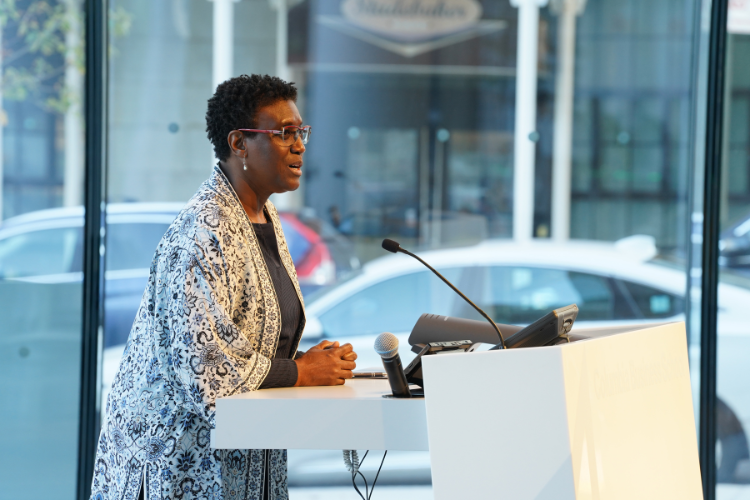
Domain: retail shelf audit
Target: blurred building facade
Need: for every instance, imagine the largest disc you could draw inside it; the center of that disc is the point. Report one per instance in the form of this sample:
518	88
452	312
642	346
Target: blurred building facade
413	136
408	132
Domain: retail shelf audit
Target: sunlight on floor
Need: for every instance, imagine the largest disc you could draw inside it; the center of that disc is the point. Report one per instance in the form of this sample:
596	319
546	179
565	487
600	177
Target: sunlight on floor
348	493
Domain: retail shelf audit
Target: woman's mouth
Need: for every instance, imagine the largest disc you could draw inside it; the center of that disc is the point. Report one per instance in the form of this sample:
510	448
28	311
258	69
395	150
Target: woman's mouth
296	168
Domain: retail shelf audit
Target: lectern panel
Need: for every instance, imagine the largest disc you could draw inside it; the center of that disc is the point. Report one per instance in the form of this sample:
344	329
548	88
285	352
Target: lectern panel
608	418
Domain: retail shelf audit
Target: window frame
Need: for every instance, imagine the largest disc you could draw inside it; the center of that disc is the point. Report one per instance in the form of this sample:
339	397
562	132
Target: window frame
704	228
95	116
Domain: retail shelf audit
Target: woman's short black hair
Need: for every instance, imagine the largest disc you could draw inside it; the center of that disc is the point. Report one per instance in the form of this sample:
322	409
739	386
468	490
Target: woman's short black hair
236	103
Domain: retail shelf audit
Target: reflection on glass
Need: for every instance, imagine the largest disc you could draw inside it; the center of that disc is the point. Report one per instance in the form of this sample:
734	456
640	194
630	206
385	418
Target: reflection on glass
41	183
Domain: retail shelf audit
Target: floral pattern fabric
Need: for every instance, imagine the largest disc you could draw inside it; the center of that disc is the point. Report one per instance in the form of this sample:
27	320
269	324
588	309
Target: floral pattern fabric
207	327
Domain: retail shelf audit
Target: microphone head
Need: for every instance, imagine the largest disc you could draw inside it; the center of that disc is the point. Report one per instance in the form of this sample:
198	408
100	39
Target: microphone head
386	344
391	246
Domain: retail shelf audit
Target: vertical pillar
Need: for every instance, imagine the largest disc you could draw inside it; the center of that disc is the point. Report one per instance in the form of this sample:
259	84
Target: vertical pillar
567	10
94	199
282	14
715	96
223	41
438	186
292	200
74	139
525	127
223	46
424	186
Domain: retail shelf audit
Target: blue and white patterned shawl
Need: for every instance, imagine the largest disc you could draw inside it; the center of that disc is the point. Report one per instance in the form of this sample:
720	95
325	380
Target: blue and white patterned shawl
207	327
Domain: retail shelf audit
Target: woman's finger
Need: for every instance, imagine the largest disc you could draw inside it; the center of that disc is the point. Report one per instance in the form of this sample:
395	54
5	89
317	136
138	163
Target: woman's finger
348	365
325	344
344	349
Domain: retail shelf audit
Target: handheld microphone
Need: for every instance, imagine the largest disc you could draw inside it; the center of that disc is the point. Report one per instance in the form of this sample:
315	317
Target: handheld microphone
386	344
394	247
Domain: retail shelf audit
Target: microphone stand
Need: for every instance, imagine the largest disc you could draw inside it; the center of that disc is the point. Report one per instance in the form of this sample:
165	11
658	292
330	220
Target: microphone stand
393	246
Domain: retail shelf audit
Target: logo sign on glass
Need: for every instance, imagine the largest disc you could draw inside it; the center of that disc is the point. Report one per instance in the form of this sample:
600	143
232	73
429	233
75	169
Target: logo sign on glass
412	21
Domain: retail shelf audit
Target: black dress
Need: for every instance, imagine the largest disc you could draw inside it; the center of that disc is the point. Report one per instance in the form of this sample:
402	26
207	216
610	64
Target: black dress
283	372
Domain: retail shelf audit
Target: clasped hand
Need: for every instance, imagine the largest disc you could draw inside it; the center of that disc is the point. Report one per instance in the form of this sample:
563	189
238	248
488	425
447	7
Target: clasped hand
326	364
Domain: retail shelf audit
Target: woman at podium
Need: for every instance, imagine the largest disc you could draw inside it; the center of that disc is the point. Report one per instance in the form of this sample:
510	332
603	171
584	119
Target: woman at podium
222	314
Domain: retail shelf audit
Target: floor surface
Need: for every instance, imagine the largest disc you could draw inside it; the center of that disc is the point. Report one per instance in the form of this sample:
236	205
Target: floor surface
723	492
348	493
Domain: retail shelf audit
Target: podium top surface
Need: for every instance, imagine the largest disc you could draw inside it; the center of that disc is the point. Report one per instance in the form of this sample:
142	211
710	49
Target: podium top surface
356	416
355	389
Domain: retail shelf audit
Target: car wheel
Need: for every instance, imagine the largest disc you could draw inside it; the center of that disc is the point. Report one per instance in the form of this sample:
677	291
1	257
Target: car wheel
731	444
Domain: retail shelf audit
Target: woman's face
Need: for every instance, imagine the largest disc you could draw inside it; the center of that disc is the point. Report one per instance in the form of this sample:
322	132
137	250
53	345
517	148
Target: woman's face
272	166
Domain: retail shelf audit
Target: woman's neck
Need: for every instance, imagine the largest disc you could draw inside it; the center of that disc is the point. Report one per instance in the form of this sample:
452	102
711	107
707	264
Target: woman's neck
252	202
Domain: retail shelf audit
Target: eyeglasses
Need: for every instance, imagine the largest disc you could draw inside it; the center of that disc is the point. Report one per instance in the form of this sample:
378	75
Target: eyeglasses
288	134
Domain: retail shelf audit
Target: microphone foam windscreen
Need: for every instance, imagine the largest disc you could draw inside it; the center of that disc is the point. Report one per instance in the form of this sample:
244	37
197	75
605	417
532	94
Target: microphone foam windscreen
390	245
386	344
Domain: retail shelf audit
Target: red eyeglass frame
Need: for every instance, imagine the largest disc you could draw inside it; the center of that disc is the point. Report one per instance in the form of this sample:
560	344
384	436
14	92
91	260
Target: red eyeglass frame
302	128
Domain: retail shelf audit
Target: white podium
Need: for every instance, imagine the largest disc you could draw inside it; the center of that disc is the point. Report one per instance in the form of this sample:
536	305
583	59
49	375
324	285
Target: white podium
605	418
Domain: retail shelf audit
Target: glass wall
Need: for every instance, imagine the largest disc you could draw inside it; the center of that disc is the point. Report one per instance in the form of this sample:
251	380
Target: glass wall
733	344
41	246
414	118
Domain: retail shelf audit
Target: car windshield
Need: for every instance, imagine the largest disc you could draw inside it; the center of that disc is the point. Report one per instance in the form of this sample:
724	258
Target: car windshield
509	294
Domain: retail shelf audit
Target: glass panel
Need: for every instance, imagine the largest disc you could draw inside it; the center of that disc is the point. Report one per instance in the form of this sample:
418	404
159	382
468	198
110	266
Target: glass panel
415	140
41	186
733	371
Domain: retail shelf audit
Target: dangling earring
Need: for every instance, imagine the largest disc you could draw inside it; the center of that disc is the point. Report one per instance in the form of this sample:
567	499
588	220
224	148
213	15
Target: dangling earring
244	163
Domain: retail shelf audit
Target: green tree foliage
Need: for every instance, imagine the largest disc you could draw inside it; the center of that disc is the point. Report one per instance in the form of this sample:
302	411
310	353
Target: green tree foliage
37	49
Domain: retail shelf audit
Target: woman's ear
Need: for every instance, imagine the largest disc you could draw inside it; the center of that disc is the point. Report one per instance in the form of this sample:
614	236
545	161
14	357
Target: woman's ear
236	141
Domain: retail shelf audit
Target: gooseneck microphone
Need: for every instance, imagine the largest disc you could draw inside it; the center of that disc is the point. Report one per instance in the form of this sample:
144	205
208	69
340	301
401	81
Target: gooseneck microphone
394	247
386	344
